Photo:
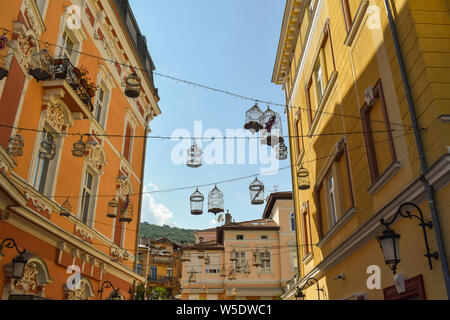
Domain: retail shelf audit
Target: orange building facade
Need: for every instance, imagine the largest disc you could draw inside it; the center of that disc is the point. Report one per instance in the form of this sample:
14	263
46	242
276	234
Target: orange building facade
52	203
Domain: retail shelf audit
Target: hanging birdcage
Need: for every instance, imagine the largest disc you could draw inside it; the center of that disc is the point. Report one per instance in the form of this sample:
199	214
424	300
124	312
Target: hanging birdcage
112	208
194	156
215	201
253	119
256	192
256	259
48	148
4	48
126	210
303	178
197	200
79	148
66	208
132	85
15	146
223	272
233	256
272	134
41	65
281	151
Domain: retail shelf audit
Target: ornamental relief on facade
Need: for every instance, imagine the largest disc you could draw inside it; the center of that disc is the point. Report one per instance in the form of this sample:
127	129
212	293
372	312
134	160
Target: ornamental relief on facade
55	116
28	283
23	45
96	158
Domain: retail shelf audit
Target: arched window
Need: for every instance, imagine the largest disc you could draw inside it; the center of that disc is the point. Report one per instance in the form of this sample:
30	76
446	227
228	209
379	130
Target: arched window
292	220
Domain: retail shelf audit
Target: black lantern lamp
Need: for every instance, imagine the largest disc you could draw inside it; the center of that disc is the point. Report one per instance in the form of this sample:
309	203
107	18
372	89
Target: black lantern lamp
15	146
256	192
106	285
281	151
390	241
19	262
79	148
197	200
272	134
40	65
133	85
112	208
253	119
215	201
303	178
66	208
309	282
194	156
126	210
48	148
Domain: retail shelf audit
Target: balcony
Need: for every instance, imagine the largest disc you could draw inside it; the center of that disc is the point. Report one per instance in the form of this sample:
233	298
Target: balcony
66	83
160	279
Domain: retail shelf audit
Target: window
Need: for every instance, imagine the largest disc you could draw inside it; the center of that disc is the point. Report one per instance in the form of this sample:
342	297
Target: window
292	218
240	263
101	104
306	229
41	4
127	149
324	66
42	165
67	45
264	237
240	237
349	8
380	148
86	197
169	272
139	269
265	261
333	193
153	273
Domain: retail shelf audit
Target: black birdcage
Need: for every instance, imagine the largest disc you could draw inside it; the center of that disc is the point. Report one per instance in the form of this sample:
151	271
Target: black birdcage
194	156
272	133
256	192
197	200
41	65
126	210
113	204
215	201
66	208
303	178
79	148
133	85
253	119
15	146
48	148
281	151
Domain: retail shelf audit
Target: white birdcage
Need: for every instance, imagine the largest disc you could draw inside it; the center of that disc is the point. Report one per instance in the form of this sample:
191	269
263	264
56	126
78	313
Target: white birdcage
281	151
215	201
253	119
41	65
272	133
197	200
194	156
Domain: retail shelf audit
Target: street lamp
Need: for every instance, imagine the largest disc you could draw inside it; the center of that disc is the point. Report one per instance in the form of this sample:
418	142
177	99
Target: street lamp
106	285
309	282
19	262
389	240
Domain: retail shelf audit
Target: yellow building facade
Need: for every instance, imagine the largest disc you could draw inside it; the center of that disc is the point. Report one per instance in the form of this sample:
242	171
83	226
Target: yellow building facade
368	114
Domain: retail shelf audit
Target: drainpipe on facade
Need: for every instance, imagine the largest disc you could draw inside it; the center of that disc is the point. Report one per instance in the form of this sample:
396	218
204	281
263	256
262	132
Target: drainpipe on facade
428	189
147	122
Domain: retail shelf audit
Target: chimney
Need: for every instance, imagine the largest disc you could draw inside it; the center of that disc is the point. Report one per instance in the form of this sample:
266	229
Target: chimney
228	217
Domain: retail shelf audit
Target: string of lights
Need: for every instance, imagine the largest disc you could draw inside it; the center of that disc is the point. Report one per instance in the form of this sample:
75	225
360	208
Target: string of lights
315	111
174	138
362	146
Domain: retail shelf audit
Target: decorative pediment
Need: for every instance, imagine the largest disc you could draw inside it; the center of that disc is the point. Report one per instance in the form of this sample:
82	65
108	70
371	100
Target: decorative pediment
83	233
23	45
83	290
96	158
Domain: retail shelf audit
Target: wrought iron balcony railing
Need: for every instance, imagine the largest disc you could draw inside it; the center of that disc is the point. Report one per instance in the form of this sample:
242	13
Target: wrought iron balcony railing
63	69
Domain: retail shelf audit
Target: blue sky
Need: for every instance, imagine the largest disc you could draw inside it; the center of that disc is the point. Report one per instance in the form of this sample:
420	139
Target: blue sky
224	44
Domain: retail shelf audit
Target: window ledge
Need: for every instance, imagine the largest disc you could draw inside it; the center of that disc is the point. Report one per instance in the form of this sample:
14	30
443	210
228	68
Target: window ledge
356	23
308	258
323	102
384	178
338	226
445	118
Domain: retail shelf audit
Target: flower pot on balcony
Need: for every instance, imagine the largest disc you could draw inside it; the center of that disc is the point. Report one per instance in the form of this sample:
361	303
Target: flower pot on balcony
91	92
84	83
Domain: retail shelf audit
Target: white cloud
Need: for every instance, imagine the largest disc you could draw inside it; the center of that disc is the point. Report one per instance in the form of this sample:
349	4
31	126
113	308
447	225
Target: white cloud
153	212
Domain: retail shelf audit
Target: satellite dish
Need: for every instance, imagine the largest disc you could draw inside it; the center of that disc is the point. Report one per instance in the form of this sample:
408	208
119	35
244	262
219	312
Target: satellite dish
220	218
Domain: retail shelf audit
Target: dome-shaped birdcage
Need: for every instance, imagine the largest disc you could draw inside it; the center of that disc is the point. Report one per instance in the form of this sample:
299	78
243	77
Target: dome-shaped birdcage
197	200
281	151
66	208
194	156
272	133
133	85
113	204
41	65
48	148
253	119
15	146
126	210
303	178
256	192
79	148
215	201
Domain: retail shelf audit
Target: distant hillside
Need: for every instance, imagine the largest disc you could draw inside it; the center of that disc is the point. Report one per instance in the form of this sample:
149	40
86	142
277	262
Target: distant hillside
175	234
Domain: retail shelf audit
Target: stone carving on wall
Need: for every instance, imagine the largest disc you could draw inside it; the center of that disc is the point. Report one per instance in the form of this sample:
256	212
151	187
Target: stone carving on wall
96	158
83	233
83	291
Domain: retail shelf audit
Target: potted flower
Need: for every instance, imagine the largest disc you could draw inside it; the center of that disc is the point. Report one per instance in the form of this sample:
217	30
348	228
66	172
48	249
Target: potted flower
91	88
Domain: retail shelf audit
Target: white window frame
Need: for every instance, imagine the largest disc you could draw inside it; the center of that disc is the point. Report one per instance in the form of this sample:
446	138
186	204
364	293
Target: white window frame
268	267
241	260
44	8
77	36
